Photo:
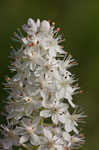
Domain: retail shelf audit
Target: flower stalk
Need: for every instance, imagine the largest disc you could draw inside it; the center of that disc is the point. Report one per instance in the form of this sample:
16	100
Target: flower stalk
41	92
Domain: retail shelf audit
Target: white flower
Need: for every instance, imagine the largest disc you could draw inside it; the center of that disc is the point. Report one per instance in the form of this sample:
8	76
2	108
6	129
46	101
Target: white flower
67	63
23	107
41	89
51	142
54	110
45	26
31	26
32	57
50	66
29	131
51	44
64	88
70	122
73	141
10	139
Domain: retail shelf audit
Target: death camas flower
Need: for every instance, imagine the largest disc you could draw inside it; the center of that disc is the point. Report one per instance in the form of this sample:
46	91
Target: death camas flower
40	109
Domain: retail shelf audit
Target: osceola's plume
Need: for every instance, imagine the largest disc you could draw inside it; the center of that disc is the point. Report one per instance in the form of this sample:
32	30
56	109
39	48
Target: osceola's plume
41	93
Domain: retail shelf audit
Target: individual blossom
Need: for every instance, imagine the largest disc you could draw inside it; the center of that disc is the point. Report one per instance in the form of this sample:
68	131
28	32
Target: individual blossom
54	110
73	141
71	121
64	88
50	141
28	131
10	137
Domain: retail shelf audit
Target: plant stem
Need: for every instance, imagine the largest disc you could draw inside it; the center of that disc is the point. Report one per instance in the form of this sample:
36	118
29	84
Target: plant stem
26	147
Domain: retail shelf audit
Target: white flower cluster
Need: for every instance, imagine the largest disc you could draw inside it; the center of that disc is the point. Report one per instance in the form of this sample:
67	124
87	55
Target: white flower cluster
40	93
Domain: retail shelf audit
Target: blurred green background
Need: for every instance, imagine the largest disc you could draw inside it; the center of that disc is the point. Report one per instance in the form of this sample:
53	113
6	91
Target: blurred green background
79	20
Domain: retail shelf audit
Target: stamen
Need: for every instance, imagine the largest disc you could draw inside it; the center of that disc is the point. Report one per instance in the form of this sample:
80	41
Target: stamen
81	91
74	63
36	33
38	42
30	36
8	78
49	21
53	23
62	46
11	47
58	29
31	44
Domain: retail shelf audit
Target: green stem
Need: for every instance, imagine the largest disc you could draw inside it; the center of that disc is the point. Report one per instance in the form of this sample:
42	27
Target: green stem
26	147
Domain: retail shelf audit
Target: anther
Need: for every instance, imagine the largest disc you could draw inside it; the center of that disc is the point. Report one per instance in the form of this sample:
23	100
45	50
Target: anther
36	33
77	85
14	65
81	91
62	46
11	47
27	38
30	36
53	23
74	62
38	42
58	29
49	21
8	78
14	33
21	94
31	44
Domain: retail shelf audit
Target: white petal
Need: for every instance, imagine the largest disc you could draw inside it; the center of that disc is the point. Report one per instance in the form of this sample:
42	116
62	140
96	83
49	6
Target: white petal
58	141
38	23
32	24
59	147
52	148
30	21
24	139
45	113
63	107
66	136
19	131
7	144
62	118
46	103
34	139
55	118
18	115
60	94
75	130
68	126
28	109
47	133
24	40
45	26
43	147
71	103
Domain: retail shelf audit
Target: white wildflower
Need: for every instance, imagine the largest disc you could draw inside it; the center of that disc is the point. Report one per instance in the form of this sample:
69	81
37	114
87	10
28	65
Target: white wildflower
10	138
29	131
54	110
73	141
51	142
41	92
